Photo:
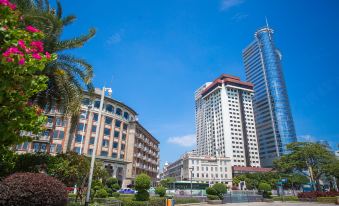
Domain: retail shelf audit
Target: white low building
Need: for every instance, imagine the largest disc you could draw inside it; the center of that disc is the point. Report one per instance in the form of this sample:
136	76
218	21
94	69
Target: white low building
201	168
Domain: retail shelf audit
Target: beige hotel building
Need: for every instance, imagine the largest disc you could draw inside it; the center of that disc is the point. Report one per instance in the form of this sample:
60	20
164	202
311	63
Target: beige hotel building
124	145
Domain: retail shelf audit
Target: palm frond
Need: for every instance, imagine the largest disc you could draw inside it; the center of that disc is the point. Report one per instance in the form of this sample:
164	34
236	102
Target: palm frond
68	20
75	42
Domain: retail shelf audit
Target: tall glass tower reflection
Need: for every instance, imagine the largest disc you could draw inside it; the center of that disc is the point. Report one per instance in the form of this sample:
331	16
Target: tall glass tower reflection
274	122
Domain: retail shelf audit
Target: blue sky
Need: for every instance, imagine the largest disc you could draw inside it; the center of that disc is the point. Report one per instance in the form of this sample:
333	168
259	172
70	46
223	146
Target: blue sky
155	54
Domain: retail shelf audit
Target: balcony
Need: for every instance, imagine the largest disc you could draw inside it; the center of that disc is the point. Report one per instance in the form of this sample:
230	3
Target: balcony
43	138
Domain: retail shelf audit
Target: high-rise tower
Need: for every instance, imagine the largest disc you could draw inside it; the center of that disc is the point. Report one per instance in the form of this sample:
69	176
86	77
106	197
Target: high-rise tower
274	122
225	121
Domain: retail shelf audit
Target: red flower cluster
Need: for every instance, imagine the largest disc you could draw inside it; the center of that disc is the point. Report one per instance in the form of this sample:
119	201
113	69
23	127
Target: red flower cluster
7	3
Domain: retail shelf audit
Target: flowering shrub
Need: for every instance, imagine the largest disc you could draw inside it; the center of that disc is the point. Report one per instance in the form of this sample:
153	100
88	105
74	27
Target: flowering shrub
315	194
22	57
32	189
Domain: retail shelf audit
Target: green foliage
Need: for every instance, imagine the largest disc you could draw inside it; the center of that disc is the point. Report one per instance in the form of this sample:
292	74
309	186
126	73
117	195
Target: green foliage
264	187
142	184
211	191
142	195
185	200
221	189
161	191
286	198
68	75
167	181
7	161
20	77
116	194
307	156
213	197
101	193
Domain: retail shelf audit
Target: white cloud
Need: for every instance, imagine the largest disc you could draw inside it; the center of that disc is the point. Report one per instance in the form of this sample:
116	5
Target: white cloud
116	37
227	4
184	141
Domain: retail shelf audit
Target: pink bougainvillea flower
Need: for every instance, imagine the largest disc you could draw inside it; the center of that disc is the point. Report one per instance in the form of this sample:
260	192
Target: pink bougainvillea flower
11	50
38	46
48	55
21	43
21	61
9	59
32	29
7	3
36	56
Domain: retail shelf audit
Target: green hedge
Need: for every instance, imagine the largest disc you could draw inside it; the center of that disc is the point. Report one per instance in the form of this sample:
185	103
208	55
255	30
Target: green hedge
286	198
213	197
186	200
327	199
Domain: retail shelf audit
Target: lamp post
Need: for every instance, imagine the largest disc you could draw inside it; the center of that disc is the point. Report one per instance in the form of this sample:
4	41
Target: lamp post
191	171
109	90
83	129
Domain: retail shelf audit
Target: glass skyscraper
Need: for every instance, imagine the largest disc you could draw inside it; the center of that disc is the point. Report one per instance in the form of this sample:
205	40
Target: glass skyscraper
274	122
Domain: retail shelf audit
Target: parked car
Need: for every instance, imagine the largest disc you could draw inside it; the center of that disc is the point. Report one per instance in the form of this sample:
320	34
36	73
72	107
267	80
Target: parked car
126	191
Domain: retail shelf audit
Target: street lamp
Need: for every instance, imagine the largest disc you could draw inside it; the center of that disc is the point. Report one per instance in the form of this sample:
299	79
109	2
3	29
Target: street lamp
191	171
109	90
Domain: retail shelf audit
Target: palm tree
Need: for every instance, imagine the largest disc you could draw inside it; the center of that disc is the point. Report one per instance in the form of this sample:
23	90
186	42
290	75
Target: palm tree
68	76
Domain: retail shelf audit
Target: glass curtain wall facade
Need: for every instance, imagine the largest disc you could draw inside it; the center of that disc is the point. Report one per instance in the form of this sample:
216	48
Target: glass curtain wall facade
274	122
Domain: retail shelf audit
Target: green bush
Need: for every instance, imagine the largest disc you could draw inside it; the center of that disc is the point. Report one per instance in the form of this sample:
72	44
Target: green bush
213	197
101	193
286	198
161	191
221	189
327	199
115	194
211	191
264	187
142	184
142	195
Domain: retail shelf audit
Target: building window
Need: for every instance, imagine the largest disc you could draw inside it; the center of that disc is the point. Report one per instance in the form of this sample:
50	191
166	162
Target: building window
118	112
114	155
90	151
104	153
59	122
85	101
94	128
97	104
126	115
109	108
122	156
105	143
78	138
58	134
116	134
108	120
107	131
77	150
124	127
123	137
117	123
81	127
122	147
115	145
43	148
59	148
83	115
52	148
91	140
95	117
